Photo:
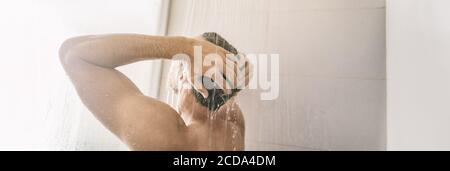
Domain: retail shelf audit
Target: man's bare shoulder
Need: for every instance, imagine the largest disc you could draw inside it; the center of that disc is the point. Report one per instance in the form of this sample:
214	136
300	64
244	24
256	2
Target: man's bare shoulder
147	123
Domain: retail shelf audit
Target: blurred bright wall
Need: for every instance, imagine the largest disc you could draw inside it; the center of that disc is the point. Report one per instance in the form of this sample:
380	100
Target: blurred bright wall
418	74
39	109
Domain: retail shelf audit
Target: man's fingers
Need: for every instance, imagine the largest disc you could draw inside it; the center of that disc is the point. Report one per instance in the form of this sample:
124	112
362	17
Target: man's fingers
216	82
197	84
231	74
242	71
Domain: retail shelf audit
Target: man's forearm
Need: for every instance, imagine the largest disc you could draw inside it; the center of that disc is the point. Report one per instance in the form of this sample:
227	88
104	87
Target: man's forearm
119	49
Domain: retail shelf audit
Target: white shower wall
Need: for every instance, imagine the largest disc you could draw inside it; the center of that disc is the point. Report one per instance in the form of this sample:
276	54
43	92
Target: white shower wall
418	74
332	68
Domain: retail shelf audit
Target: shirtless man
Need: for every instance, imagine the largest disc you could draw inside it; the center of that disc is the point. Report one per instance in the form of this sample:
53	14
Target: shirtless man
141	122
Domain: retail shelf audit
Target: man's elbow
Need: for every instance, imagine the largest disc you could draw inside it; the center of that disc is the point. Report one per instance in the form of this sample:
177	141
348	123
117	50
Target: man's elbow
64	51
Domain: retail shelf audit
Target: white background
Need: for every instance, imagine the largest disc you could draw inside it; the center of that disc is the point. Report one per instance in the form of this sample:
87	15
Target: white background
39	109
418	74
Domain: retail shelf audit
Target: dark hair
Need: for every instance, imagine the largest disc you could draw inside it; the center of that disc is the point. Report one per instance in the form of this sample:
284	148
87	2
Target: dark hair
219	41
216	97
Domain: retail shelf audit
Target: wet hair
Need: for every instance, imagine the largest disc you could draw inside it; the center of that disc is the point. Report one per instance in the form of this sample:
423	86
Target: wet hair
216	96
219	41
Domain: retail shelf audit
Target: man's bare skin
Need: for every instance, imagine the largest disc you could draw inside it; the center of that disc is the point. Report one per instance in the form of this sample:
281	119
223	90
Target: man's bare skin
144	123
